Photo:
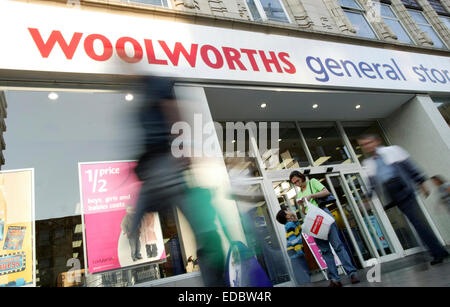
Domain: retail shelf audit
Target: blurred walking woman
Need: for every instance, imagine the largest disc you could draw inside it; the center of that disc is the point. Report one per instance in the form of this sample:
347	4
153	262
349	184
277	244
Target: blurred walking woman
311	190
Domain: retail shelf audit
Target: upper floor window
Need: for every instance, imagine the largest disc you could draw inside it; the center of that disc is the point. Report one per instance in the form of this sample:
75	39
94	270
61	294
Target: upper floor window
426	27
394	23
446	21
163	3
262	10
355	14
438	7
444	15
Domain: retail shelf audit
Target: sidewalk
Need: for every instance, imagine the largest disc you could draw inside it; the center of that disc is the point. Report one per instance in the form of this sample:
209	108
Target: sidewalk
412	271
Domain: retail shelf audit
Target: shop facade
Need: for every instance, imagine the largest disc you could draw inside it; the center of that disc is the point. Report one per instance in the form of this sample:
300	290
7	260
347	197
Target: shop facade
67	100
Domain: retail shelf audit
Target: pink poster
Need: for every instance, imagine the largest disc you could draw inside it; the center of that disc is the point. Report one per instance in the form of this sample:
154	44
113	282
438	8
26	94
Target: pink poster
109	193
317	254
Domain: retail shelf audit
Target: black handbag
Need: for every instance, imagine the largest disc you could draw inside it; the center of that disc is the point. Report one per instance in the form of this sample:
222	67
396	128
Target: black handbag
323	201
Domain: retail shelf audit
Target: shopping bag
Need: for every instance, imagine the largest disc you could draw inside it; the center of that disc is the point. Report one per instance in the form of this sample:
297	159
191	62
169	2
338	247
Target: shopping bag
317	222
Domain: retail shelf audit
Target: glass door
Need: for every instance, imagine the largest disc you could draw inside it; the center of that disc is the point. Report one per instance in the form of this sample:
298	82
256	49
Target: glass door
372	213
359	224
260	231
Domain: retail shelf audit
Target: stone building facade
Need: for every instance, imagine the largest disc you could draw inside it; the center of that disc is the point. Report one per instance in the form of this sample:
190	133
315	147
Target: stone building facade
305	16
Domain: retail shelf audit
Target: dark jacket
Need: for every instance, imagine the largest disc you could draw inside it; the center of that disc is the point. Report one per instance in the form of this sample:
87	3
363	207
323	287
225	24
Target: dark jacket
409	175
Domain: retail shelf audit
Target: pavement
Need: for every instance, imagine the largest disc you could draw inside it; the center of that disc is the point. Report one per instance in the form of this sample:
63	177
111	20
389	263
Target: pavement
411	271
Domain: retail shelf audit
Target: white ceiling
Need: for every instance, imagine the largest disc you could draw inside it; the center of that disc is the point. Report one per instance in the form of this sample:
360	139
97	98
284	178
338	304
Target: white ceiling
228	103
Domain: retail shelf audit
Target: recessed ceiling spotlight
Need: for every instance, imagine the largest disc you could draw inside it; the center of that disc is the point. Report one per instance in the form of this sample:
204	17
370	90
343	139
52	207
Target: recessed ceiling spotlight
319	138
129	97
263	105
357	106
53	96
315	106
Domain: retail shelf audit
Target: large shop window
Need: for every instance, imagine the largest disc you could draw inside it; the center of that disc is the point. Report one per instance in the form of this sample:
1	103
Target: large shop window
238	156
356	15
426	27
391	19
262	10
355	129
52	133
163	3
325	144
288	151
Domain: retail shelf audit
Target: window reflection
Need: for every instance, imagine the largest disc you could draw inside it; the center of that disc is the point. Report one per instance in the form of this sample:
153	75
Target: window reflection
290	153
356	129
355	14
394	23
425	26
261	237
162	3
238	157
325	144
274	11
267	10
443	105
100	127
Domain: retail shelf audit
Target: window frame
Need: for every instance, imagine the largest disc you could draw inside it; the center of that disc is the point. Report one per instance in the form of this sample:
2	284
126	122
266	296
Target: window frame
169	4
361	12
428	25
263	15
399	21
442	17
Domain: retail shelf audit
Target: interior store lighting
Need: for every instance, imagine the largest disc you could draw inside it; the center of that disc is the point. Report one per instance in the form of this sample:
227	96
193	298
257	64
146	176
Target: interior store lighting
53	96
76	243
285	185
357	106
277	191
315	106
321	160
129	97
263	105
291	193
78	228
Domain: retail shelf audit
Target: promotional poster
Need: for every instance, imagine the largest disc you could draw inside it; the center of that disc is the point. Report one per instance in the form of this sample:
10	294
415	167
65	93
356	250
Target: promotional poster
16	228
109	193
317	254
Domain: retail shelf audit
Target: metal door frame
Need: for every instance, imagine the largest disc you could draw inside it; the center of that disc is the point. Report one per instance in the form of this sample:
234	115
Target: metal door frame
377	208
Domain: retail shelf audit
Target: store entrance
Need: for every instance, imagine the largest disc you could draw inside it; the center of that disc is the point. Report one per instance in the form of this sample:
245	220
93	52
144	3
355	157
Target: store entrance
362	226
315	132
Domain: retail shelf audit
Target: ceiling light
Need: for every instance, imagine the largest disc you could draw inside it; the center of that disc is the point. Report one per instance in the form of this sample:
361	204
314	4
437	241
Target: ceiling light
357	106
129	97
263	105
53	96
319	138
315	106
233	141
279	140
